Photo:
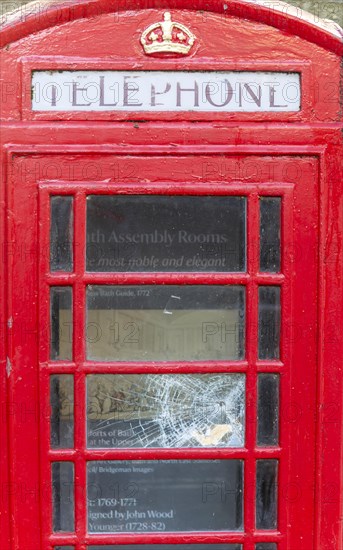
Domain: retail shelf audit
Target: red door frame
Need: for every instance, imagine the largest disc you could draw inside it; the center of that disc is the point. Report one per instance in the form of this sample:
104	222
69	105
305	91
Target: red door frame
304	203
27	412
323	141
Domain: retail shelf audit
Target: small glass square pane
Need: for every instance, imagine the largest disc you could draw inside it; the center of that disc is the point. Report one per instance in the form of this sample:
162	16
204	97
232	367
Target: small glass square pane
62	411
66	547
162	233
165	323
165	410
61	233
269	322
140	496
61	323
266	546
270	225
63	496
266	494
268	409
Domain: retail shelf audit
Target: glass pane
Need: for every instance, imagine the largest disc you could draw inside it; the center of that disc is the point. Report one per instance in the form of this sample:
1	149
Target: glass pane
165	495
266	494
63	496
162	233
62	411
169	547
269	322
61	323
266	546
268	409
270	223
163	323
61	233
171	410
66	547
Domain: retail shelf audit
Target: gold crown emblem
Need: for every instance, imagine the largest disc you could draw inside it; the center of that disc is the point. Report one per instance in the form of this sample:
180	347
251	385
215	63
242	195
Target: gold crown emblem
167	37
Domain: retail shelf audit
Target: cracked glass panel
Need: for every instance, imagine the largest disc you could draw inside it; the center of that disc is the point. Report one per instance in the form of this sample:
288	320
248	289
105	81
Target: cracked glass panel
165	322
61	233
62	411
270	231
160	233
63	496
171	410
136	496
61	323
170	547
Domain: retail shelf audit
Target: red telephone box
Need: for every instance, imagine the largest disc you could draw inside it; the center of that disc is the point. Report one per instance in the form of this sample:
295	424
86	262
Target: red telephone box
171	295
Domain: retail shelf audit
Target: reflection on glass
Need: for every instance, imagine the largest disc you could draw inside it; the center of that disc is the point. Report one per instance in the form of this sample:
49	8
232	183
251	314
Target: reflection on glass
268	409
266	546
269	322
61	323
266	494
171	410
162	233
165	496
63	496
166	322
61	233
62	411
270	223
169	547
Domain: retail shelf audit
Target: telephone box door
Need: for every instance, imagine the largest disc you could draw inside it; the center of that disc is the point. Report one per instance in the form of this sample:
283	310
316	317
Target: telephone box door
163	310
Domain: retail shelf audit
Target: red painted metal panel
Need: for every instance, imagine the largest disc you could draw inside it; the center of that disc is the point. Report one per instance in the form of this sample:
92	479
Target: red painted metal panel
302	372
5	371
59	12
251	45
24	420
330	344
31	168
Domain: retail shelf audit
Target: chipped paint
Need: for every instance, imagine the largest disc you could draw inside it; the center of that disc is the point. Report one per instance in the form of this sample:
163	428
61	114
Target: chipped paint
8	367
